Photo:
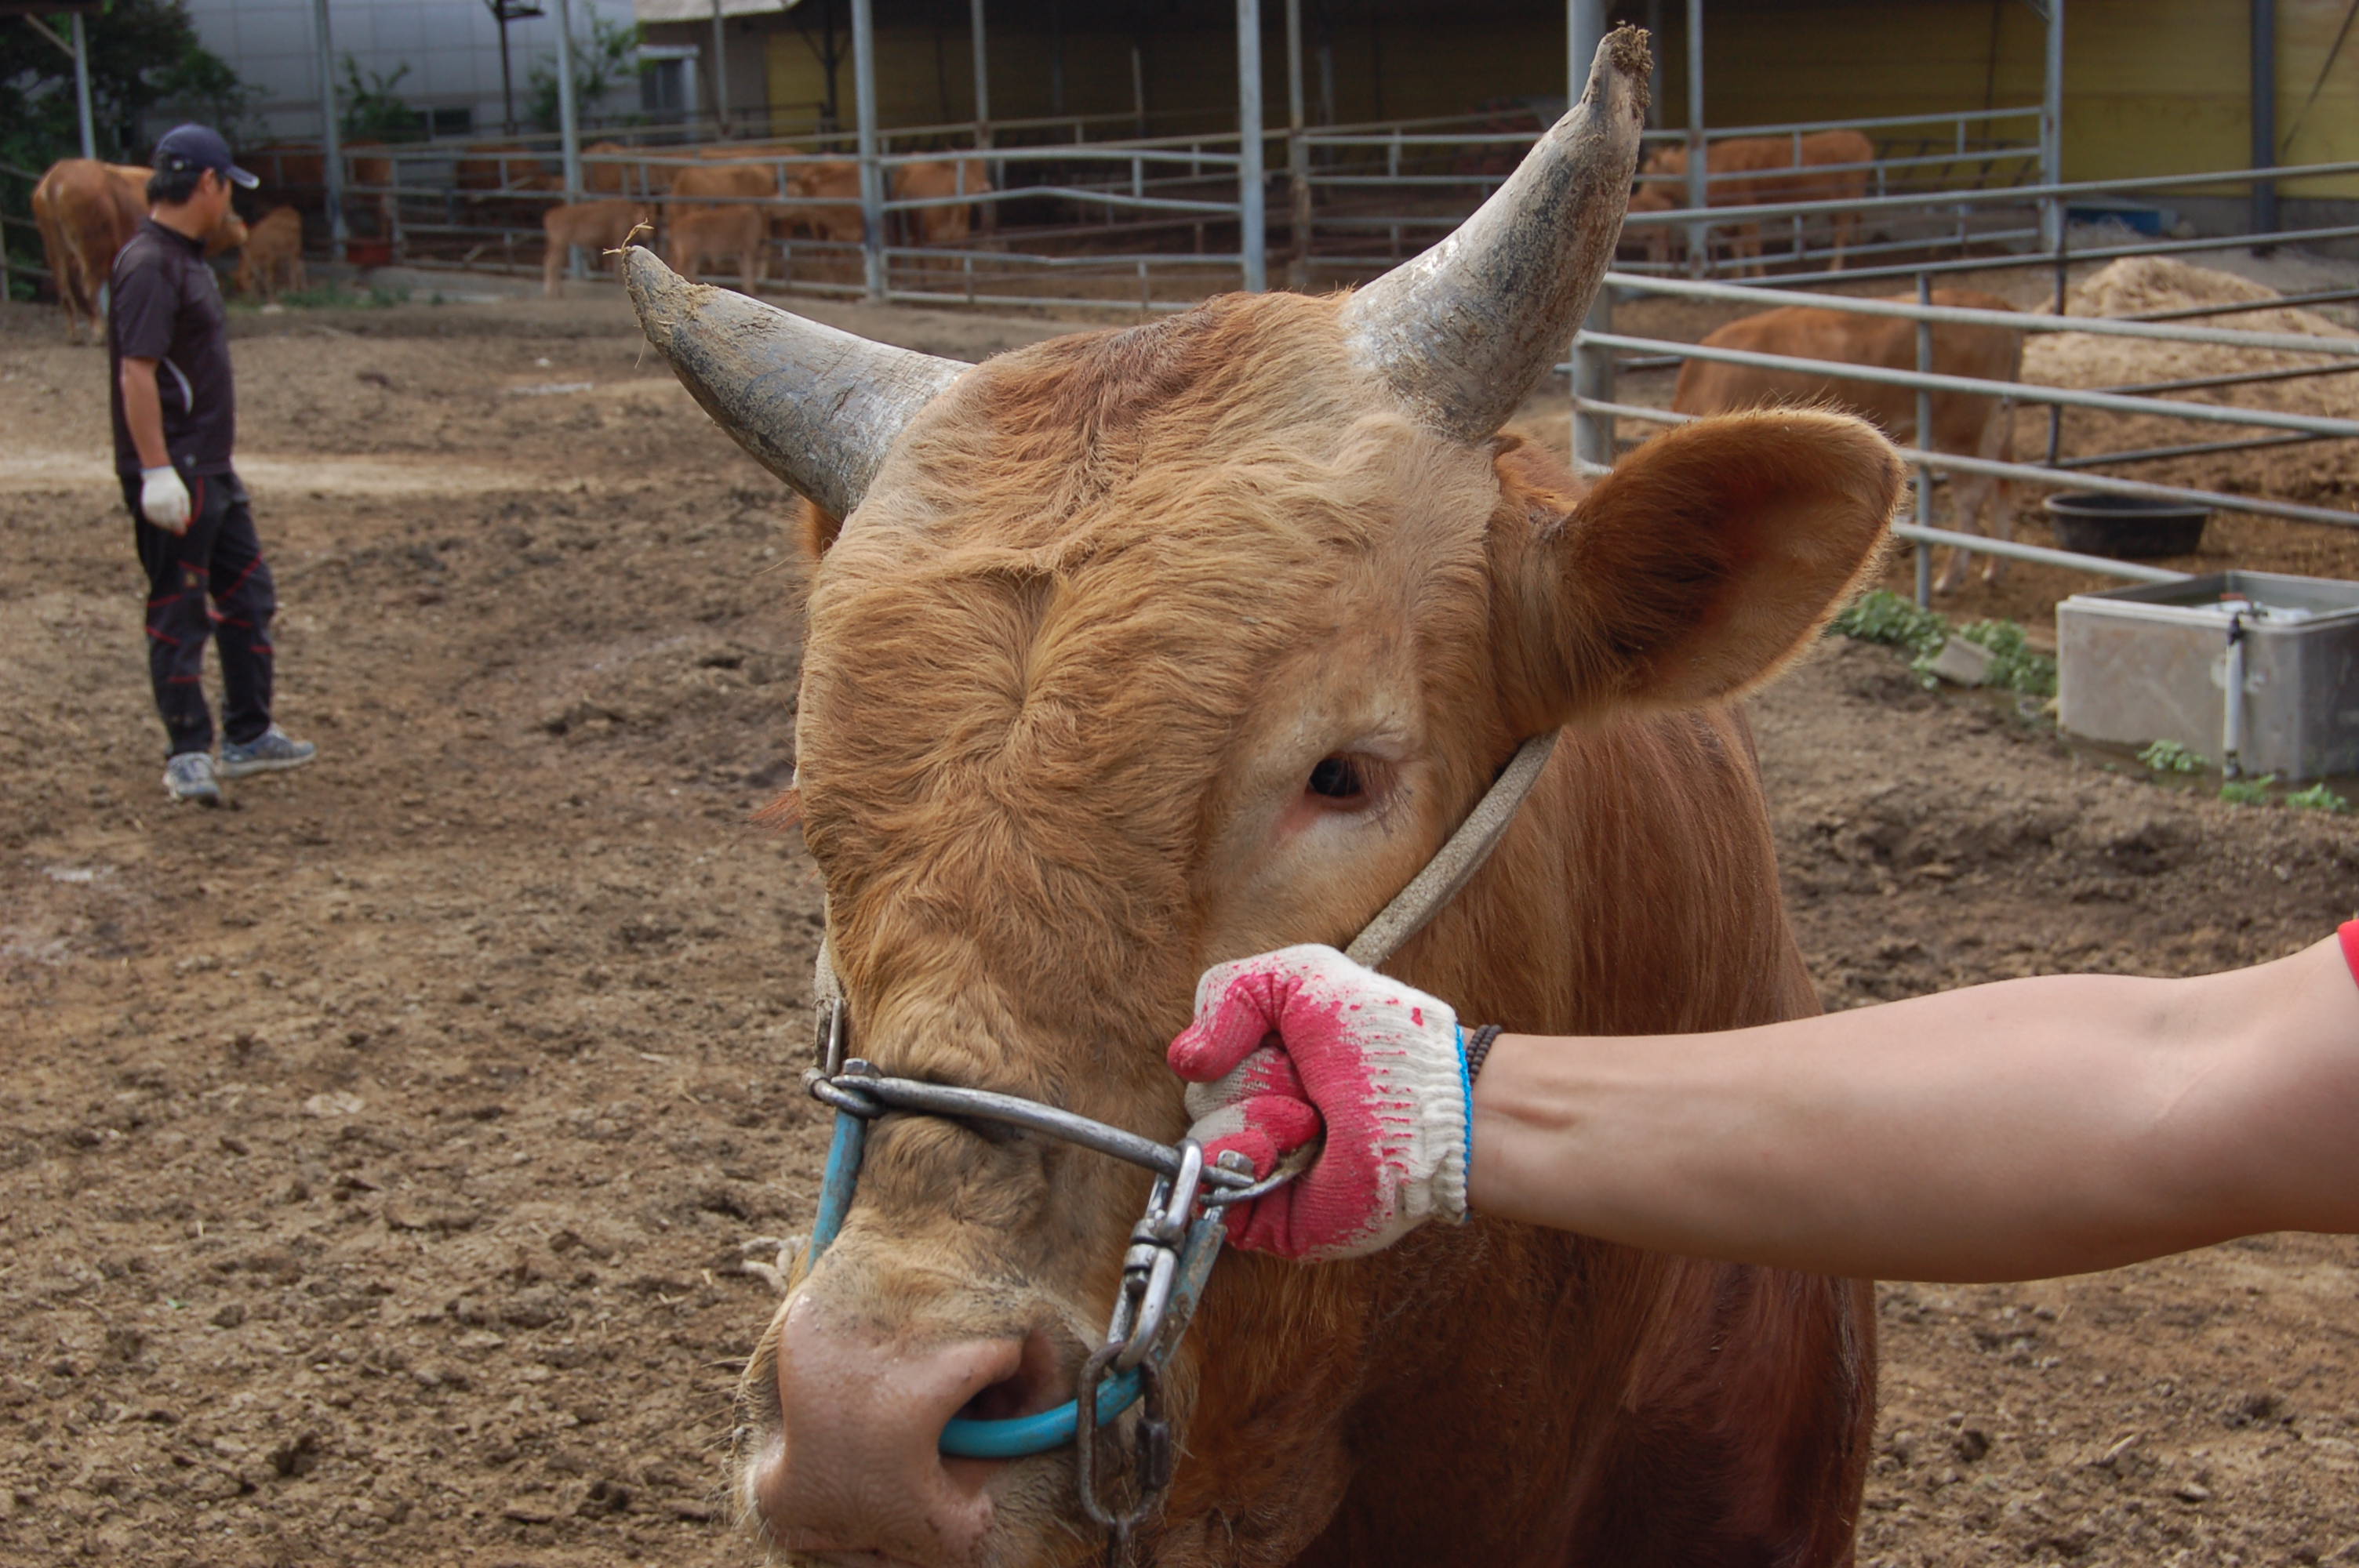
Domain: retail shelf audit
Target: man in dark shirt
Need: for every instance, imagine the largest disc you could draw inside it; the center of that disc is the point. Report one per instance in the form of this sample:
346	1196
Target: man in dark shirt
175	424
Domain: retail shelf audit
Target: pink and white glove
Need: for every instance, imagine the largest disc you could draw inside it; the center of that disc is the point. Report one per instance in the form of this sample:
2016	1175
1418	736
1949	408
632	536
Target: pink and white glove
1301	1040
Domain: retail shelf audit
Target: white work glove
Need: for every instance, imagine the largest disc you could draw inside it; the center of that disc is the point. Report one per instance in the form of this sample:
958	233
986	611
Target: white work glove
163	499
1303	1040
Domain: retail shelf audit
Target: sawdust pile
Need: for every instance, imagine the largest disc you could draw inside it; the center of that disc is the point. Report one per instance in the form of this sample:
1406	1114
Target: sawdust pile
2136	285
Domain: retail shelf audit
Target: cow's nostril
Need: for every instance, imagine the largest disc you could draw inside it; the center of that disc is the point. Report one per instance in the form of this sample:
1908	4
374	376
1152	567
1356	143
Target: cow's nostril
1039	1382
1004	1398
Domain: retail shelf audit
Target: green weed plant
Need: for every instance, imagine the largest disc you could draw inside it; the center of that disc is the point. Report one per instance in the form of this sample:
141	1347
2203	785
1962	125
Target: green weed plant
2171	757
2247	792
2317	797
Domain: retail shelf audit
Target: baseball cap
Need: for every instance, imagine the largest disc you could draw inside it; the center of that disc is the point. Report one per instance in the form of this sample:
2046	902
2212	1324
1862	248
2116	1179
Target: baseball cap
186	147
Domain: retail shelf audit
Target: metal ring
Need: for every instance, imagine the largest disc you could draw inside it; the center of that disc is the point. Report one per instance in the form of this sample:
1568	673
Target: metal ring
851	1101
884	1094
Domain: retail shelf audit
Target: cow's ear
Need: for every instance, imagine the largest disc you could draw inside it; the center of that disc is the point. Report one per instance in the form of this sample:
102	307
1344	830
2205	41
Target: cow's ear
817	528
1706	560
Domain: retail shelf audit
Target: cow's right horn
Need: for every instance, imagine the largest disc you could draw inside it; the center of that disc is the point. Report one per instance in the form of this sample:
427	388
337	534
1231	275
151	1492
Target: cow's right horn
1463	332
818	407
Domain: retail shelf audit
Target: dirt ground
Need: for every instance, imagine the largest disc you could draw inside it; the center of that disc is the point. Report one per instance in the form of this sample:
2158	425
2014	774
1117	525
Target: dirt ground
377	1158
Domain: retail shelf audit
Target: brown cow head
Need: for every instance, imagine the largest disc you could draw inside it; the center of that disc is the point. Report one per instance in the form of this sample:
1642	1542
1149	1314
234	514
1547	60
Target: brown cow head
1140	650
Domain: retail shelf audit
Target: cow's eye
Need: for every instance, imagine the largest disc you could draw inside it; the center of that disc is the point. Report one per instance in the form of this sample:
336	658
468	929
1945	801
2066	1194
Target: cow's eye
1339	778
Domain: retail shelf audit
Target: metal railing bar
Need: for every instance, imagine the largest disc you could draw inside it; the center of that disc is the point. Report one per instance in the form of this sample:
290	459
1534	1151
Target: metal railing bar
1811	170
2041	555
2047	258
2021	320
1933	118
2321	296
2191	450
2020	392
2252	505
2006	193
2242	378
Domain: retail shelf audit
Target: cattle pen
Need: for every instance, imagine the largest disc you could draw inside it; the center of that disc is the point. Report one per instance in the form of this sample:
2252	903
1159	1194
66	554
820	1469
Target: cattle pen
1599	351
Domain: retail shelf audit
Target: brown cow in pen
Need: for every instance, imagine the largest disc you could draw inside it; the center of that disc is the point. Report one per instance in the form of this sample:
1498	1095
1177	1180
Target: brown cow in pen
1767	169
598	227
85	212
703	234
273	255
1083	621
827	201
935	179
1964	423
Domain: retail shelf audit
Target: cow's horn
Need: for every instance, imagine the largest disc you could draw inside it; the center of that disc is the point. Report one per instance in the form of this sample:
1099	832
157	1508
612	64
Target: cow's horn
1463	332
818	407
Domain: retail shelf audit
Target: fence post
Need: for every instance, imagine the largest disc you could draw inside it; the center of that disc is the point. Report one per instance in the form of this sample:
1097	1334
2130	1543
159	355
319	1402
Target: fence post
569	126
1699	190
1924	443
331	152
1593	381
84	121
1298	157
872	175
1253	235
2052	120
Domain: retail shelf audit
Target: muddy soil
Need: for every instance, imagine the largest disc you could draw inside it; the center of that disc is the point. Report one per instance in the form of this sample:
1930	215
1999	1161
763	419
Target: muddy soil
378	1157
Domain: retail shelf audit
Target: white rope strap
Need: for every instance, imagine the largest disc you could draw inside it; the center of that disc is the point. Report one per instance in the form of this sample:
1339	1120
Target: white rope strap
1454	864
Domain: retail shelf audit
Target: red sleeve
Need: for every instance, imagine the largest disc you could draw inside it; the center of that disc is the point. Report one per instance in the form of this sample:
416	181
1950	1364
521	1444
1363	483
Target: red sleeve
2349	931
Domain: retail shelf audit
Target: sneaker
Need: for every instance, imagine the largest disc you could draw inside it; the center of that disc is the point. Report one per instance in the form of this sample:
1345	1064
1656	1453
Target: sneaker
269	750
189	776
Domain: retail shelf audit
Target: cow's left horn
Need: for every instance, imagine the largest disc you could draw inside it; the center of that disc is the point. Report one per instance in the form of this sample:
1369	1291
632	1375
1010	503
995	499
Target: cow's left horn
1463	332
818	407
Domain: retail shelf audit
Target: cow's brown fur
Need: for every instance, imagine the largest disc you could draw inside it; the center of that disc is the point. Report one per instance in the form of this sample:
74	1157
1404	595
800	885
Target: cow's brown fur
1965	423
700	234
599	227
827	201
939	177
85	212
273	255
1108	601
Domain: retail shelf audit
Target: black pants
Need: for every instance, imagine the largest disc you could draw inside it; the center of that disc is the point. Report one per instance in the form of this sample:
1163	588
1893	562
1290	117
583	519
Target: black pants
220	559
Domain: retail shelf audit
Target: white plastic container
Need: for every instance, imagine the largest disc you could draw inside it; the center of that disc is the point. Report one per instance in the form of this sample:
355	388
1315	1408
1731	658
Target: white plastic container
2256	670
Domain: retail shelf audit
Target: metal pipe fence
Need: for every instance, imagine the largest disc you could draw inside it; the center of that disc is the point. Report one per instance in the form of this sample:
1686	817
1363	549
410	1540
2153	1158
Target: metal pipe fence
1593	365
1090	202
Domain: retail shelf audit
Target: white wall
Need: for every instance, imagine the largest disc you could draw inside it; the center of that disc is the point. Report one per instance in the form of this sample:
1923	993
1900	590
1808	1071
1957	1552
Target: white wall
451	47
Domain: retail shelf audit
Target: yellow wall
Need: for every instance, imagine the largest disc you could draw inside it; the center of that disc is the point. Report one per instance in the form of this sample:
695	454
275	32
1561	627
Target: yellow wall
2151	86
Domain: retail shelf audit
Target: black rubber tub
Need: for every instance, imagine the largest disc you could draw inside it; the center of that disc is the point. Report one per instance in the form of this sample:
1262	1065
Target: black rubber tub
2127	528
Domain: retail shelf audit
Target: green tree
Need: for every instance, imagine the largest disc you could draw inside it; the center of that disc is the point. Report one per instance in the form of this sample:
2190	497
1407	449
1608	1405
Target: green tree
144	54
372	111
599	67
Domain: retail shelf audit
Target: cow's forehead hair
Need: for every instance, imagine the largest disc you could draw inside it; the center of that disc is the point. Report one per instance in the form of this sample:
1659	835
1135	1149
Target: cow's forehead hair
1034	650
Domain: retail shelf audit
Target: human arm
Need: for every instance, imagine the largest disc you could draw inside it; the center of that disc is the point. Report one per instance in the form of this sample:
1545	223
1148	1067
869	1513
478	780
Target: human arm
2014	1130
143	411
163	497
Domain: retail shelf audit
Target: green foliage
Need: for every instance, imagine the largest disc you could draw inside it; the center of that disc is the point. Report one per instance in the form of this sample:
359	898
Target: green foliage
2248	792
372	111
2317	797
2014	664
143	53
599	67
2171	757
1883	616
